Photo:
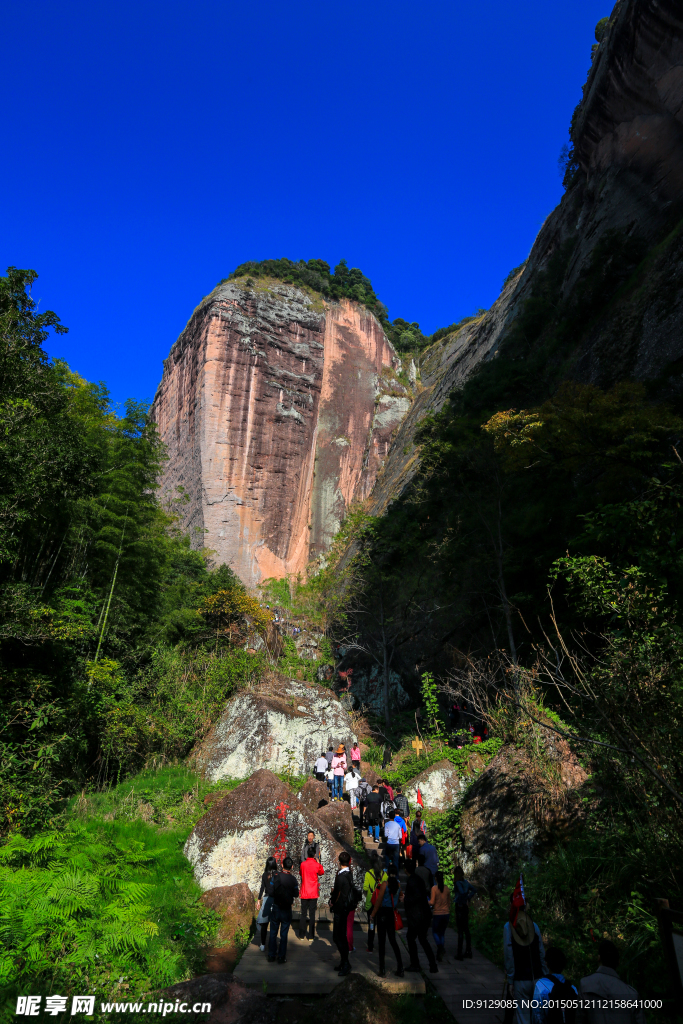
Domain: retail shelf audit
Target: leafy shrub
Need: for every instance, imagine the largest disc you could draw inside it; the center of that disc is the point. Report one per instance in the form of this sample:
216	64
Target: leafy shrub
343	283
442	830
412	766
601	29
167	706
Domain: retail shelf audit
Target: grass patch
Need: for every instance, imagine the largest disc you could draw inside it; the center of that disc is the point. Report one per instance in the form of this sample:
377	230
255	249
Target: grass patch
170	797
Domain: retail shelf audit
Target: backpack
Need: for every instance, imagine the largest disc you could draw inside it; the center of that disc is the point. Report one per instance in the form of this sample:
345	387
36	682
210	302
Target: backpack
401	802
282	896
561	991
351	898
387	806
375	891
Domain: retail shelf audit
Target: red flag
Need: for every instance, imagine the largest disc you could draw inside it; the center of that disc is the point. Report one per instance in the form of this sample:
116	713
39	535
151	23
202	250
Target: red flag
518	901
419	797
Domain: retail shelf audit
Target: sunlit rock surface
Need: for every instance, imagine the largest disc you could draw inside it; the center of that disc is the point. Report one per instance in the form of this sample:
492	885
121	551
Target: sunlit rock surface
281	727
277	413
441	786
258	819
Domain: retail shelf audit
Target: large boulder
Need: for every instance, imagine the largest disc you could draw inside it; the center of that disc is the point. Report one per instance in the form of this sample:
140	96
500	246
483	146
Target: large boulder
282	727
262	817
338	818
231	1002
441	786
308	645
512	813
314	795
235	906
369	773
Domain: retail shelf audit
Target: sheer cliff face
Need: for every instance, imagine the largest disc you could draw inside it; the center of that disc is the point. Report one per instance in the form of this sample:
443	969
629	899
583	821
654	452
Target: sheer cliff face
628	192
272	410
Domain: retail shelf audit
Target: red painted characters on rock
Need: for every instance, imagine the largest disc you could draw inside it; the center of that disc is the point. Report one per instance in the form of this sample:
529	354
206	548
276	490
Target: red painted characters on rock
280	851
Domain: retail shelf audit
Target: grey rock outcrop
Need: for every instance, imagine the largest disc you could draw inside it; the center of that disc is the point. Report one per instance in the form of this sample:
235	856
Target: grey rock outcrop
258	819
441	786
314	795
338	820
511	813
283	729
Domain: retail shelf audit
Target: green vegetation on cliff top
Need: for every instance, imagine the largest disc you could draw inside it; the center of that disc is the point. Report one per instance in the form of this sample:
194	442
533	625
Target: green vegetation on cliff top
349	283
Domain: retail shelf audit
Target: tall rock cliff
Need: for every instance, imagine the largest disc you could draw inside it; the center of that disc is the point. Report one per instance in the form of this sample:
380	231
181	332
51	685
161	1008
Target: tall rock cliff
614	245
277	410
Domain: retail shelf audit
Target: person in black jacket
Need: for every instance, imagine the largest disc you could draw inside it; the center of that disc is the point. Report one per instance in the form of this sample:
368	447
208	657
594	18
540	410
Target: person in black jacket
418	916
372	814
341	902
266	894
402	804
364	791
285	891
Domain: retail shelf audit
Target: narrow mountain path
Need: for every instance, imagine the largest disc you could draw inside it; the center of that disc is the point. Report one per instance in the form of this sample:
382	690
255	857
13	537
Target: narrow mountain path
458	981
309	967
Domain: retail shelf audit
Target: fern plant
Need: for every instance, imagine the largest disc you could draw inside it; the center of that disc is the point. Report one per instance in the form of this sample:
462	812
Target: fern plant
95	903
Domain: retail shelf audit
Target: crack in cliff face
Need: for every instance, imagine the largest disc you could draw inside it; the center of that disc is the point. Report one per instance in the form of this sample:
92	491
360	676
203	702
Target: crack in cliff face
305	378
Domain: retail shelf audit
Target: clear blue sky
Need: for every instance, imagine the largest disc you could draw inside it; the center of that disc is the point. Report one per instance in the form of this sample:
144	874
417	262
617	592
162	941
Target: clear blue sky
149	148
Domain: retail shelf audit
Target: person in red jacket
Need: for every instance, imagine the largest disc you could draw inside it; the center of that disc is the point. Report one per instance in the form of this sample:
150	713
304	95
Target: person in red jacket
311	869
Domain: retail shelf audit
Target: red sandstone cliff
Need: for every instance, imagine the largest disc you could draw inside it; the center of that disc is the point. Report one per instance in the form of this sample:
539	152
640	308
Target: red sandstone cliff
274	413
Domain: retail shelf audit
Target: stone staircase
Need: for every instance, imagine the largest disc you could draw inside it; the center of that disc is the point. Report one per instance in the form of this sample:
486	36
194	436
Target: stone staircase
462	984
308	971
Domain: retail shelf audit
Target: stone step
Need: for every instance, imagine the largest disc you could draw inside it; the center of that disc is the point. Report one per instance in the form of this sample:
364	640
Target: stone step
458	980
308	970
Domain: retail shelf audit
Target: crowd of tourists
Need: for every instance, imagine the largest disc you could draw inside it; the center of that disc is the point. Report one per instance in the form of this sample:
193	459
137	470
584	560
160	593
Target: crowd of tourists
424	899
534	974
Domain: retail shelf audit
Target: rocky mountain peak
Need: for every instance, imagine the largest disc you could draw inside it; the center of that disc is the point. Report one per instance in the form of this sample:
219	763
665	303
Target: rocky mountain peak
277	408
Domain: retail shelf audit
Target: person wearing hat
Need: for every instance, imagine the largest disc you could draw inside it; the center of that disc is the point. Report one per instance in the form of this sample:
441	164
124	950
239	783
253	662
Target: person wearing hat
523	953
338	771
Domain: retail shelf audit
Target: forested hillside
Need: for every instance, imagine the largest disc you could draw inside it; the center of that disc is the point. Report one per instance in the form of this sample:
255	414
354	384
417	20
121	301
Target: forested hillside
523	544
96	586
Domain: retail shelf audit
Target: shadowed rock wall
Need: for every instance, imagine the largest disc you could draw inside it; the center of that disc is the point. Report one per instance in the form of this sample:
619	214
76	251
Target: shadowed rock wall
273	410
629	147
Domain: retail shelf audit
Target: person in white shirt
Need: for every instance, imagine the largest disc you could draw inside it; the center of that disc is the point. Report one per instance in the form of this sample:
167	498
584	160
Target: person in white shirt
329	778
321	768
392	834
351	780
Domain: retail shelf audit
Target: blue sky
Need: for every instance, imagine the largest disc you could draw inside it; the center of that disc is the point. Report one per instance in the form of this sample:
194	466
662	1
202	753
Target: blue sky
150	148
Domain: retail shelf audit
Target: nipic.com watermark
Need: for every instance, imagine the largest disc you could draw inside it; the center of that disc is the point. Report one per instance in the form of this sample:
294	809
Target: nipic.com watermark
30	1006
